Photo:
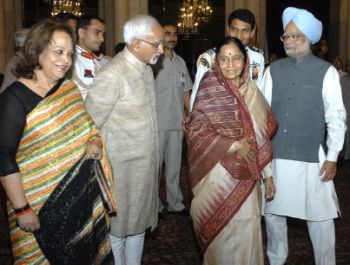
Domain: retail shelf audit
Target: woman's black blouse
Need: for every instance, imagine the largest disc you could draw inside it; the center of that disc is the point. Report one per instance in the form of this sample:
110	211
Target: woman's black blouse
16	102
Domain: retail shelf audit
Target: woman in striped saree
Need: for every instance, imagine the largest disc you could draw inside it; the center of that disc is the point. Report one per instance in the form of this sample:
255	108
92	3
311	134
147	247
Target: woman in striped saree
228	135
57	193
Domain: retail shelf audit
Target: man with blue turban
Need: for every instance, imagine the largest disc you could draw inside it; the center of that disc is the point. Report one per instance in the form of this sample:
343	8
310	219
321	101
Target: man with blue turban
305	95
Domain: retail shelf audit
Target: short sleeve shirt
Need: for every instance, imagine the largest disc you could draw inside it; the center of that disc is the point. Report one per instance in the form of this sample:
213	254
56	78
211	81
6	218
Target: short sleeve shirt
172	80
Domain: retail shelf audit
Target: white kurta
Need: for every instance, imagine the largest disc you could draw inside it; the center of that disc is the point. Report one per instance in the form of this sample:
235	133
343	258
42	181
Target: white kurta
300	193
123	105
205	62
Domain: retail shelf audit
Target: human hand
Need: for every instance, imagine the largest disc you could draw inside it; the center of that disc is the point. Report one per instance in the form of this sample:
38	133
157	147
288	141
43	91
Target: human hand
244	149
28	222
328	170
94	150
269	188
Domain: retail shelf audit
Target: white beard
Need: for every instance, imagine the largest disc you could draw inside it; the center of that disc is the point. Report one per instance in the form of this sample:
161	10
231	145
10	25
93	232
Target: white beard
298	51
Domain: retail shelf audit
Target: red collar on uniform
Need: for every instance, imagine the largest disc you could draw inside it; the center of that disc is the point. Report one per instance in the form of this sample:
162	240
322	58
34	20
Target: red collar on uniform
89	55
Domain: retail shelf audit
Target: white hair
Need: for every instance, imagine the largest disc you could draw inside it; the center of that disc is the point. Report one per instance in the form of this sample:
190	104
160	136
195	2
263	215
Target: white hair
138	27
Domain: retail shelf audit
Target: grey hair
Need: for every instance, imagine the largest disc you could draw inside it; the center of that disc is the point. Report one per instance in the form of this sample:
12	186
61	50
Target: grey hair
138	27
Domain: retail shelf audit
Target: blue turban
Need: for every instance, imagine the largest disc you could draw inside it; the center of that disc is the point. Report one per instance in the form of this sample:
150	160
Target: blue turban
305	22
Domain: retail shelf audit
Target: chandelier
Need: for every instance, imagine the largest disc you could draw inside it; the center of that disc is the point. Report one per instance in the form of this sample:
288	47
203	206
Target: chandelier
64	6
192	14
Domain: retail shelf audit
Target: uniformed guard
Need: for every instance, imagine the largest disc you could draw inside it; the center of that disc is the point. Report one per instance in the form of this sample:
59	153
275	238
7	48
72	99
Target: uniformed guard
90	30
241	24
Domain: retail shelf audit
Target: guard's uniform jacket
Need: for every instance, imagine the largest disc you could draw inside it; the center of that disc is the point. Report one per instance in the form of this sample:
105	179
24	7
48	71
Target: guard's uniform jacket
86	66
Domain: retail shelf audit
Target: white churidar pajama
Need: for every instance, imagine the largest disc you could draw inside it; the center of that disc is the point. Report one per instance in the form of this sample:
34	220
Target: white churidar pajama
300	192
128	250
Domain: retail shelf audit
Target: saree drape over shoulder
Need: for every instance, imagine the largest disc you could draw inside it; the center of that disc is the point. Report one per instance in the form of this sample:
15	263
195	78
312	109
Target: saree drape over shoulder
54	140
225	208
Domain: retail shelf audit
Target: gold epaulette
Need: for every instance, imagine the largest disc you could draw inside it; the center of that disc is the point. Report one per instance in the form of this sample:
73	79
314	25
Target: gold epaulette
204	62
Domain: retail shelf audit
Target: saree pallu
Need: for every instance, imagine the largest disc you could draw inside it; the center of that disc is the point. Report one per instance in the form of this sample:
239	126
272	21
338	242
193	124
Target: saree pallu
222	181
239	242
71	232
55	137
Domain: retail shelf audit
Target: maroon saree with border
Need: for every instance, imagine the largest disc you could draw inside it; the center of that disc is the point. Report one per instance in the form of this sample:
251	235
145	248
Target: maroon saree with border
223	114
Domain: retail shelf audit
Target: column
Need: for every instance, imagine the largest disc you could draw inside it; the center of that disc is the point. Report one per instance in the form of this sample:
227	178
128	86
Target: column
10	21
2	37
116	13
106	12
333	35
344	29
123	10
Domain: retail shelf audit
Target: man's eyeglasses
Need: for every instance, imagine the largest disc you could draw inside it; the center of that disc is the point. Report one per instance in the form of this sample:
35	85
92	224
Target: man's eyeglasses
292	37
154	44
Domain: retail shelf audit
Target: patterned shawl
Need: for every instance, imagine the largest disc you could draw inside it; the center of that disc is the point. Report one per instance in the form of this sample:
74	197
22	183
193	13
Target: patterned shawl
223	114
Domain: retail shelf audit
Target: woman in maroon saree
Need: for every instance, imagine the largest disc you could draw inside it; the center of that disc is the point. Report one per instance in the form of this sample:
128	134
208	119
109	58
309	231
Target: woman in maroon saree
229	151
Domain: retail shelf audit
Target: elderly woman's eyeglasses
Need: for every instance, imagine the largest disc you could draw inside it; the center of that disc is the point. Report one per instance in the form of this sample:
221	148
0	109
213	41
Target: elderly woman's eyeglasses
236	59
154	44
292	37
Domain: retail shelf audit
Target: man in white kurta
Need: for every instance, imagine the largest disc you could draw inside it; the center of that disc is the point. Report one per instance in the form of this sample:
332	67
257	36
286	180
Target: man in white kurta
241	25
123	105
90	33
304	93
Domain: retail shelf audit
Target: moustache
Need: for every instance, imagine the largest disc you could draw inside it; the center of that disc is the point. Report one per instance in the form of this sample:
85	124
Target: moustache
289	47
